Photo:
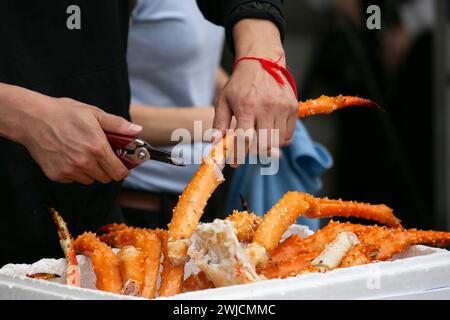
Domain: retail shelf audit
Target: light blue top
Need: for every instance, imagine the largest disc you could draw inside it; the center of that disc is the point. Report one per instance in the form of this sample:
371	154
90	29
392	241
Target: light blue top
300	168
173	56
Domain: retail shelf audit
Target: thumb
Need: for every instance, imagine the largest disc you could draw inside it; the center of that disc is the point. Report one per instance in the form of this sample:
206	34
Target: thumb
222	117
119	125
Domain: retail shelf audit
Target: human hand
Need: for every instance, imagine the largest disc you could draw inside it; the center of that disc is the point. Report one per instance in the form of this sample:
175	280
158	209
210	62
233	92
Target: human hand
66	138
252	95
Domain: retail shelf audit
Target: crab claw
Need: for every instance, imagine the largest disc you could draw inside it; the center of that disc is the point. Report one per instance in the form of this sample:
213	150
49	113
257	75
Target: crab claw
67	245
327	105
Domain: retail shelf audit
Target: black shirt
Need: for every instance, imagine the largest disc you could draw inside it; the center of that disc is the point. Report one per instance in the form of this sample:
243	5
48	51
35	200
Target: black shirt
40	53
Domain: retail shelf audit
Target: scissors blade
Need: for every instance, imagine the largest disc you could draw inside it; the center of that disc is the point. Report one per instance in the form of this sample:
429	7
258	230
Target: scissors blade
164	156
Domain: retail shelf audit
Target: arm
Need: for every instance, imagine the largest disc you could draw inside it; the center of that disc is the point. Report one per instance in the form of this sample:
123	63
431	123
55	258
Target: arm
159	123
65	137
252	95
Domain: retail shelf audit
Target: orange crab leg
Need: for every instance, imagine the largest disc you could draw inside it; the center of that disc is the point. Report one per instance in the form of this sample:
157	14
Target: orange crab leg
104	261
171	276
67	245
376	243
277	220
131	265
291	267
338	208
357	256
327	105
192	202
294	204
150	245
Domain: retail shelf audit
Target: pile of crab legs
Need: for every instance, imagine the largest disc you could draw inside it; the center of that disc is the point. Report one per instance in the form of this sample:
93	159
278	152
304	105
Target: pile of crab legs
134	270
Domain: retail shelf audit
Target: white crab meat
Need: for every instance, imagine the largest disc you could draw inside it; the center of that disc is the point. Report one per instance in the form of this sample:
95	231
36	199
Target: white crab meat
333	254
216	250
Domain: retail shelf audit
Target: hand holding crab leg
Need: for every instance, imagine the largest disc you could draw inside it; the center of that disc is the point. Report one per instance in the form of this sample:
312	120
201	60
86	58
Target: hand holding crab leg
193	200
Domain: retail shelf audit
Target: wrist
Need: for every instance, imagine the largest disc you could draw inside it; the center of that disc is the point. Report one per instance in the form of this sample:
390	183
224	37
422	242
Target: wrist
259	38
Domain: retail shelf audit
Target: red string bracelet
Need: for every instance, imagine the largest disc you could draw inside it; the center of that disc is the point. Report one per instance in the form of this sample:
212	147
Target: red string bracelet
272	67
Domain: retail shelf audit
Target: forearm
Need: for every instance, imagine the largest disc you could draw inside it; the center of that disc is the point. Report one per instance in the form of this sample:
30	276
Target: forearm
261	38
16	107
159	123
229	12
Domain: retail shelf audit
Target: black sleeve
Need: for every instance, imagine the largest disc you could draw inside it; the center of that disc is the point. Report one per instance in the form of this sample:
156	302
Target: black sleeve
228	12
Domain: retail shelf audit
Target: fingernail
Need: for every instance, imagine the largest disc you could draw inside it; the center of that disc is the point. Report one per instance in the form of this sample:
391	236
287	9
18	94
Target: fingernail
135	127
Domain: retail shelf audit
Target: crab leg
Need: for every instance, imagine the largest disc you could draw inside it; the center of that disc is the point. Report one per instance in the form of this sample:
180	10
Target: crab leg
67	245
357	256
192	202
131	265
376	244
148	242
274	224
291	268
104	261
294	204
327	105
295	245
338	208
171	276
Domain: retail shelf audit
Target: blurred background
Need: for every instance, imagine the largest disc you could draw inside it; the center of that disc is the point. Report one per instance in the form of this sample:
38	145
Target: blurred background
400	157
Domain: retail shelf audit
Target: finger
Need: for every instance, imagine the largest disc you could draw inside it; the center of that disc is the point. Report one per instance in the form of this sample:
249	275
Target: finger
280	127
95	171
290	128
119	125
264	127
245	132
110	163
66	180
83	178
222	117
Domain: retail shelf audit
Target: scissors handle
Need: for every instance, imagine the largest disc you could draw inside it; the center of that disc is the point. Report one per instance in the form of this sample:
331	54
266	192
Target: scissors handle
118	141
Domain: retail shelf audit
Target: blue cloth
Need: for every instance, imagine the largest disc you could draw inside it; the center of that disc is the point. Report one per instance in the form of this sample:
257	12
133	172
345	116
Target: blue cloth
300	168
173	56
